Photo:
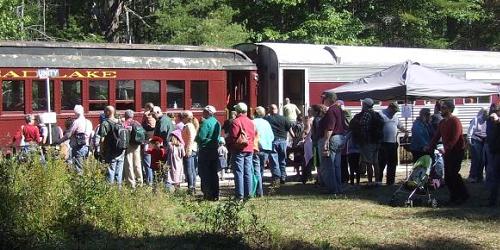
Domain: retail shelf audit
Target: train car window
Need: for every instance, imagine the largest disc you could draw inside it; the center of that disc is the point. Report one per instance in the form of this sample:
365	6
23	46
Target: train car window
125	95
175	94
199	94
39	94
71	94
13	95
150	92
98	94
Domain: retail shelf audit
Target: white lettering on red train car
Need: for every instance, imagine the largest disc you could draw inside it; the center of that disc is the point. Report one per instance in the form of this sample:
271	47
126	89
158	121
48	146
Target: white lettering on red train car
71	74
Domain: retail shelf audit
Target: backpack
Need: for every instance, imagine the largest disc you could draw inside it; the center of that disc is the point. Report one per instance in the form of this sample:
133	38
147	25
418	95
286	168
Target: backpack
120	136
80	138
138	134
241	141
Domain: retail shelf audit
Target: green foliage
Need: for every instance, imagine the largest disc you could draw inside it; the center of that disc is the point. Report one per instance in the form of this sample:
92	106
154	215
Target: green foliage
207	22
458	24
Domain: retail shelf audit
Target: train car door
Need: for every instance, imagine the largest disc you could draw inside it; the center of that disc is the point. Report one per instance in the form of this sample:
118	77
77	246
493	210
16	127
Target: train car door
238	88
295	87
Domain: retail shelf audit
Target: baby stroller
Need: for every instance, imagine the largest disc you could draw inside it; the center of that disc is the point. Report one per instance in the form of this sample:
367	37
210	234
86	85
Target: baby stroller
421	182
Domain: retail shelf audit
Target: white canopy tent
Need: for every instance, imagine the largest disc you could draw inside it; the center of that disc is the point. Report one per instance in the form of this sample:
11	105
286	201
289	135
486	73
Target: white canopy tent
411	81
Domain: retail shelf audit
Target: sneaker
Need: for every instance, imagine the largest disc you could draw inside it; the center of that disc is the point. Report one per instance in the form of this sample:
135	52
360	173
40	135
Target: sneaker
282	181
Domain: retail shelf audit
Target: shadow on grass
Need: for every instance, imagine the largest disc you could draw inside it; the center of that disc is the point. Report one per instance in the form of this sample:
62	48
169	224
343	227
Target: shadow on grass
435	243
88	237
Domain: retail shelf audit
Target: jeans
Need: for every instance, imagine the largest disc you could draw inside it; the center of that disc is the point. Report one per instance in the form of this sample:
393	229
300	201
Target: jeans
263	157
190	170
243	174
388	154
278	159
208	165
330	165
257	173
78	154
115	169
477	160
146	165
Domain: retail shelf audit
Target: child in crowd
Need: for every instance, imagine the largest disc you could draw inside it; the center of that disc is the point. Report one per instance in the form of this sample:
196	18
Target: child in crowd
353	159
158	154
175	162
222	150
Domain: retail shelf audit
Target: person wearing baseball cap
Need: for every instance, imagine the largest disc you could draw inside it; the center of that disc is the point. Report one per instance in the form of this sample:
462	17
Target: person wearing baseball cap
242	153
388	154
208	143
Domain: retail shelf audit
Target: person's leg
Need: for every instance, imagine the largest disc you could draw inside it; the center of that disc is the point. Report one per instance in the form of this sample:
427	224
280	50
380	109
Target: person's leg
214	178
392	162
190	172
337	173
345	168
110	174
119	168
482	163
146	164
374	151
202	170
128	167
282	159
238	168
137	164
78	154
352	172
454	182
383	157
274	162
247	175
476	157
257	172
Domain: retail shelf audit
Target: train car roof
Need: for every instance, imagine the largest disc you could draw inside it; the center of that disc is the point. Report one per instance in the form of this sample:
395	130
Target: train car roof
291	53
125	56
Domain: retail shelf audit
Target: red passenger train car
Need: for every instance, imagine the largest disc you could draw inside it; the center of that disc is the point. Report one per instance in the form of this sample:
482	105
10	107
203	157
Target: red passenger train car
126	76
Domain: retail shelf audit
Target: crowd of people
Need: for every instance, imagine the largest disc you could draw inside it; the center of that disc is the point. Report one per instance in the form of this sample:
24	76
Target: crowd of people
168	149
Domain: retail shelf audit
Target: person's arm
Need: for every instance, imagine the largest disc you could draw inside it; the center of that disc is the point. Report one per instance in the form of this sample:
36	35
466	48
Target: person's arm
297	110
470	130
434	141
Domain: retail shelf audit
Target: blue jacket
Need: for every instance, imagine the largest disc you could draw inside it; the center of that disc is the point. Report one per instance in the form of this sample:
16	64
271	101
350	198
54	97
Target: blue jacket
421	135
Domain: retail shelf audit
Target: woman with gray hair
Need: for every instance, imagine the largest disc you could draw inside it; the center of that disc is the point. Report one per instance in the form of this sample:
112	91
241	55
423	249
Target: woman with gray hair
421	134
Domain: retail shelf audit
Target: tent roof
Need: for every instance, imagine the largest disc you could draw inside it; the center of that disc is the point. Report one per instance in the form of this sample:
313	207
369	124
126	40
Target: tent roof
413	81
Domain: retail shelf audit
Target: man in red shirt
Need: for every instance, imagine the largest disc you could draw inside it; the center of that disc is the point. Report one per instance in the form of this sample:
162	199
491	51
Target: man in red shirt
242	154
450	130
332	128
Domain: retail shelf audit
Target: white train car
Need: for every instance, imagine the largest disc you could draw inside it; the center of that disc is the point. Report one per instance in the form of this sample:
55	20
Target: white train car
303	71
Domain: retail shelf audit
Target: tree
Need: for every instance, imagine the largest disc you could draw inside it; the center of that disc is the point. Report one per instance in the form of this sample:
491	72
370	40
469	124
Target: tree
205	22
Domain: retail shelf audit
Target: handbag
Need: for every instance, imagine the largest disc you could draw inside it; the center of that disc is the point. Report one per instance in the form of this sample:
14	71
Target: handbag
241	141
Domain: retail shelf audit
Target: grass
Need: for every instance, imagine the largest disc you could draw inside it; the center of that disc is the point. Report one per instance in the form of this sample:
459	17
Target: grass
67	211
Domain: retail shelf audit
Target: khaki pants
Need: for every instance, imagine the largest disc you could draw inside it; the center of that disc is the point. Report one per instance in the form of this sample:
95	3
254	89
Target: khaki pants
133	166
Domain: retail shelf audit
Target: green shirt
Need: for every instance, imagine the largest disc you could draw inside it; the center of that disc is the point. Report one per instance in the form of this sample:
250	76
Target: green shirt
208	135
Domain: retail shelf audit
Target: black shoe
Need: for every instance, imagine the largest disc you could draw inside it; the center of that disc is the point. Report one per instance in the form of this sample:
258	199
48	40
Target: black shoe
282	181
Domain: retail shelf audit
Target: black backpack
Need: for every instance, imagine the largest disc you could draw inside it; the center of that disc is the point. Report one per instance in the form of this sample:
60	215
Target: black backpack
119	136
